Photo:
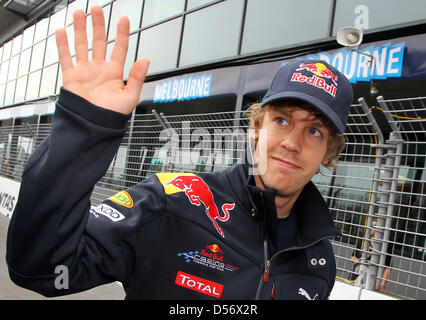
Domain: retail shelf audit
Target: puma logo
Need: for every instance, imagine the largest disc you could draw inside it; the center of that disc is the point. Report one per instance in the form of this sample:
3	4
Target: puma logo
305	294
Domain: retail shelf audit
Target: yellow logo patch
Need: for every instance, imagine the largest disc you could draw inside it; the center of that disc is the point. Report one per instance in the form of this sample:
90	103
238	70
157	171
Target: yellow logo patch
166	177
122	198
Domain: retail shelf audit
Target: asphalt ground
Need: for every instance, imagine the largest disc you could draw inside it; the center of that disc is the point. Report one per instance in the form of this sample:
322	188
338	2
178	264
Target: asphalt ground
10	291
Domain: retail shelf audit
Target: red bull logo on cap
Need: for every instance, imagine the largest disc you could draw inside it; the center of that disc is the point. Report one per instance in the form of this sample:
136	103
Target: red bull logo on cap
319	71
199	193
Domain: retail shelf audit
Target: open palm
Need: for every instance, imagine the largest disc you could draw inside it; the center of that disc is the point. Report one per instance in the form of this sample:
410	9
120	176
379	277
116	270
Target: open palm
100	81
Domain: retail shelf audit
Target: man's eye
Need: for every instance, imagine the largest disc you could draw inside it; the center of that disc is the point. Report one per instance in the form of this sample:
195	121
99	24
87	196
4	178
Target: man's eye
314	132
282	121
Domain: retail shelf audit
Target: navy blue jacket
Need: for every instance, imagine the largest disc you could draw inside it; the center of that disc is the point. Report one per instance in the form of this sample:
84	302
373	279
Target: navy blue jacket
172	236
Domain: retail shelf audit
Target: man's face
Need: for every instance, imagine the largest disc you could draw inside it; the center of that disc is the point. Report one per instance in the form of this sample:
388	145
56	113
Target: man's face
290	147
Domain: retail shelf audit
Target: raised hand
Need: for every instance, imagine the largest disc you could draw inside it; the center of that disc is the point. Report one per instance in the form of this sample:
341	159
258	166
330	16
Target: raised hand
100	81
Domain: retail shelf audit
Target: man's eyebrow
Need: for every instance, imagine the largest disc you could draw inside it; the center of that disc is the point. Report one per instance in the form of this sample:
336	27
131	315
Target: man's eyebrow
315	118
284	111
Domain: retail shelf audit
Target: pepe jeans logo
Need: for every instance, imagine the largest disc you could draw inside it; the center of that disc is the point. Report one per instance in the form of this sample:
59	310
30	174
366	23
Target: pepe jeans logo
211	256
107	211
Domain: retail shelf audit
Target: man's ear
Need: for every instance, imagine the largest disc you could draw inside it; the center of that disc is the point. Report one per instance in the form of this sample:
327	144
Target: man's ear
325	161
255	133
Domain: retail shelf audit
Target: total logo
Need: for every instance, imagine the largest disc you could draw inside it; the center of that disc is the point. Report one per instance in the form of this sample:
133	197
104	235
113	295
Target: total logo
319	71
201	285
211	256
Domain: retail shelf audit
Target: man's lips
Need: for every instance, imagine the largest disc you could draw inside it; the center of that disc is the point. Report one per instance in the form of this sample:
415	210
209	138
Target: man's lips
284	163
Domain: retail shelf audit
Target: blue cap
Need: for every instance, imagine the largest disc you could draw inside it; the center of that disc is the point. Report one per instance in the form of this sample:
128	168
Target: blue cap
316	83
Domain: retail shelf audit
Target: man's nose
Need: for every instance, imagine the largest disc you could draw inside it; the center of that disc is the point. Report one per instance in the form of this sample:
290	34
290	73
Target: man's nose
292	140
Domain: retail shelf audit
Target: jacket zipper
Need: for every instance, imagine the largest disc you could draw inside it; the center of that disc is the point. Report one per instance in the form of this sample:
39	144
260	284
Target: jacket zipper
273	290
266	271
267	265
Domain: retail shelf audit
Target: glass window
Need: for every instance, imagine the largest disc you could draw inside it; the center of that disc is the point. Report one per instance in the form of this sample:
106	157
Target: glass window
2	88
13	68
284	22
6	50
33	85
28	36
3	71
129	8
212	33
52	55
155	11
196	3
1	53
48	81
16	47
131	53
10	92
370	14
163	55
21	86
37	56
41	30
57	20
24	62
99	3
77	4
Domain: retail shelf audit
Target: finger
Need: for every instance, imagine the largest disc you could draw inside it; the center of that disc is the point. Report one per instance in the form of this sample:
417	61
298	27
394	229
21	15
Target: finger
80	36
99	35
63	49
137	76
122	41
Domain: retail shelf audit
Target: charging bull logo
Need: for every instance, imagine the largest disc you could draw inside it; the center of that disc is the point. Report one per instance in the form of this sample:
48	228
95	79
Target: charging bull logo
198	193
214	248
320	70
319	73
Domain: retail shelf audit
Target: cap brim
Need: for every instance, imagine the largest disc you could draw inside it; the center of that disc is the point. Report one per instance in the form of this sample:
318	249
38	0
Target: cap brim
321	106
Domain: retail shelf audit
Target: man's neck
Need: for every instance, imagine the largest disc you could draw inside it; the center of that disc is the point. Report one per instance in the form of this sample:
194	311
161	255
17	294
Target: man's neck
283	203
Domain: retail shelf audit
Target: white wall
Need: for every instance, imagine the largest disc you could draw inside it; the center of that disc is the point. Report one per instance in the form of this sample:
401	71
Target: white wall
345	291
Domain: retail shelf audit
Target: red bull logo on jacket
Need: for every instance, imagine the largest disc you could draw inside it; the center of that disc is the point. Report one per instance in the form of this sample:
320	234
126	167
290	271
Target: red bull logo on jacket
211	256
199	194
320	73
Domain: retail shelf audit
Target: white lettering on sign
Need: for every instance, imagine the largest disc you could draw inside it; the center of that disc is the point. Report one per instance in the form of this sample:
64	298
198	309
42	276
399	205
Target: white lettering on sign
386	62
183	88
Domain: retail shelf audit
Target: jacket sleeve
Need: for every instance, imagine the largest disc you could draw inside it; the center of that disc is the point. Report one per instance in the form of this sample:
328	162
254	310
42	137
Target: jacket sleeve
50	231
332	268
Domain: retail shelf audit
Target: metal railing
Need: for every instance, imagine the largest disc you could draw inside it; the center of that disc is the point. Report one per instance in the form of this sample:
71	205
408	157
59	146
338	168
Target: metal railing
377	195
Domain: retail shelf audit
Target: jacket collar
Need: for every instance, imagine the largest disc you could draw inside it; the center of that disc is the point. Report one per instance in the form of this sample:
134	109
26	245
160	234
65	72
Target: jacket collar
314	217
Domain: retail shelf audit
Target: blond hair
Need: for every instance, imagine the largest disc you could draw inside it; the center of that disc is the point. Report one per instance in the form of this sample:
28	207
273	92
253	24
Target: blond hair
336	141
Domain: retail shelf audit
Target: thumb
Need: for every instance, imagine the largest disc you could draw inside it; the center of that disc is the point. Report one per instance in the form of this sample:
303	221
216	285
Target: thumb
137	76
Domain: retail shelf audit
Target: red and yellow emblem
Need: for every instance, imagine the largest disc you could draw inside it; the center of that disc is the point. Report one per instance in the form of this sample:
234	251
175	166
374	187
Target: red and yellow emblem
122	198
